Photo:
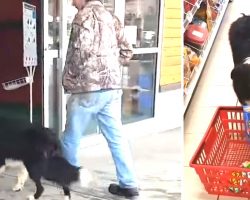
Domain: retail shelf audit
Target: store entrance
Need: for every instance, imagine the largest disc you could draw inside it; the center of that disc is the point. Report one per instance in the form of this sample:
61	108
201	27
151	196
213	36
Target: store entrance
138	79
15	101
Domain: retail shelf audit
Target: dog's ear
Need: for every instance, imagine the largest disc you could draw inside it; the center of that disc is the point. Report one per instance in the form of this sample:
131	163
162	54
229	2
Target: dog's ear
241	72
234	74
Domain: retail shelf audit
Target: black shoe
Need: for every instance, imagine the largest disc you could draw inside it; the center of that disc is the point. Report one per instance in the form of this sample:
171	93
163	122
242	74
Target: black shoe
126	192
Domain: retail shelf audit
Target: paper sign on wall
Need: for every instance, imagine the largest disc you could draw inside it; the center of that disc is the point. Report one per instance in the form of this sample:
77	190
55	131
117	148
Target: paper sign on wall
29	35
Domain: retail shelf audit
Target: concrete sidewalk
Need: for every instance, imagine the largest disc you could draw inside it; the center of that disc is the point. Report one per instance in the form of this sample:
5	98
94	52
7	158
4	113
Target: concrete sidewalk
158	162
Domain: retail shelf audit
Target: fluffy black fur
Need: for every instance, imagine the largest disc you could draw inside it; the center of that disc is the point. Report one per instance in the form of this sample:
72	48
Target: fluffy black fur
57	170
239	38
38	148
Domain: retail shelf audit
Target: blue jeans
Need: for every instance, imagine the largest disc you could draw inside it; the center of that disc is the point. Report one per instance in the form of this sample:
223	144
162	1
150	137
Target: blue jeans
106	106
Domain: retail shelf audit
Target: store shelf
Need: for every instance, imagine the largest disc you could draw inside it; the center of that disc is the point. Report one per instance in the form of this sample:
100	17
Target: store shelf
190	14
198	70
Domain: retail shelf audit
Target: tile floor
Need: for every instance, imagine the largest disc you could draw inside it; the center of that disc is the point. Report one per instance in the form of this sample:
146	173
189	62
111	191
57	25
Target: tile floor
158	163
214	89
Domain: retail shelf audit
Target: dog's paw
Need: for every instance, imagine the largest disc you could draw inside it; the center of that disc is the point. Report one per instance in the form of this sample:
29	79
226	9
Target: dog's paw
17	188
30	197
85	177
66	197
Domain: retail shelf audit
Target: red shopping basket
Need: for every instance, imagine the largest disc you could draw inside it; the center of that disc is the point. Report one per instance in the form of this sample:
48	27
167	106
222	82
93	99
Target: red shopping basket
219	157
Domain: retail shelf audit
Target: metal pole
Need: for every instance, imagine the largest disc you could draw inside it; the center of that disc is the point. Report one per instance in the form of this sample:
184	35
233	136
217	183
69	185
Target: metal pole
31	94
31	72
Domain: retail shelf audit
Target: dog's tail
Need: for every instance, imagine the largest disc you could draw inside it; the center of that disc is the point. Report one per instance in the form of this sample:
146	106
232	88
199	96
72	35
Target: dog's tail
244	15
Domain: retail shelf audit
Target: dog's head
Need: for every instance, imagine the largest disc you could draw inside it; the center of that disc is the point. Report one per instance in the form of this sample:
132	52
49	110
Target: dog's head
240	28
239	38
241	82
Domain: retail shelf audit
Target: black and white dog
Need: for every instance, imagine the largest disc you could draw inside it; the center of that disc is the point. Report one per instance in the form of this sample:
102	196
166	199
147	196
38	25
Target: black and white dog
36	150
239	38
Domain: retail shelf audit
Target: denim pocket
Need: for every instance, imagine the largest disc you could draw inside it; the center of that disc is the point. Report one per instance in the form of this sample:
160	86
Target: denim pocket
117	94
88	100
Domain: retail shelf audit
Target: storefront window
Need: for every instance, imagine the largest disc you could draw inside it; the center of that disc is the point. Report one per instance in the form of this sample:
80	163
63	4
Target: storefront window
141	20
141	29
70	16
53	25
138	88
109	4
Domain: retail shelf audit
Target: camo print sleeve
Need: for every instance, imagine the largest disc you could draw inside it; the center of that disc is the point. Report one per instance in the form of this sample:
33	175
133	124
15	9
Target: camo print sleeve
83	33
126	49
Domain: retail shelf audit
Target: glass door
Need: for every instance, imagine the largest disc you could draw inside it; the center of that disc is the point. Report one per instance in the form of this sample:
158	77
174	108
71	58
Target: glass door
141	22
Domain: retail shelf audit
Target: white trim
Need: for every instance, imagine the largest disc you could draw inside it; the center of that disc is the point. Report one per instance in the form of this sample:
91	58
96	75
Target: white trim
45	69
63	50
159	57
119	9
146	50
247	60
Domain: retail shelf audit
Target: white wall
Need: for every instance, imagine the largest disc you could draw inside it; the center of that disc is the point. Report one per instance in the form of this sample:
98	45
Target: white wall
169	109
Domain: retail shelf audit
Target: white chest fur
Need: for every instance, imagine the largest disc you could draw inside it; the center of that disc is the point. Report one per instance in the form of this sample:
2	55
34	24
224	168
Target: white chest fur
13	163
247	60
22	175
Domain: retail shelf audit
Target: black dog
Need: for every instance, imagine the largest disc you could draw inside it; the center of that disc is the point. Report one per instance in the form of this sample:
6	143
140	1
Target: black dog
59	171
239	38
38	149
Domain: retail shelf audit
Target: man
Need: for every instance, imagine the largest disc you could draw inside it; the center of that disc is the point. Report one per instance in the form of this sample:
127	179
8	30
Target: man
92	76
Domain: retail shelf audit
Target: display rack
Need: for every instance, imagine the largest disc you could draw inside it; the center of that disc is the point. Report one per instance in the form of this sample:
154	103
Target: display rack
194	78
190	14
29	53
17	83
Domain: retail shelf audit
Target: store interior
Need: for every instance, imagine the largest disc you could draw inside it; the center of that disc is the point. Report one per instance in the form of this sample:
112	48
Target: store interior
212	89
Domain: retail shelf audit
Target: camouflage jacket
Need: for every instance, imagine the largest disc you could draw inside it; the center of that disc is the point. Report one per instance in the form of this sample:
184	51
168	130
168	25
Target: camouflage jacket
97	47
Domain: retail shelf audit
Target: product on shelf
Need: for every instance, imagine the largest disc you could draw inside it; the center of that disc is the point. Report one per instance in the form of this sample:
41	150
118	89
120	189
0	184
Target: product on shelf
191	60
188	5
187	70
196	35
197	31
201	22
201	13
209	13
